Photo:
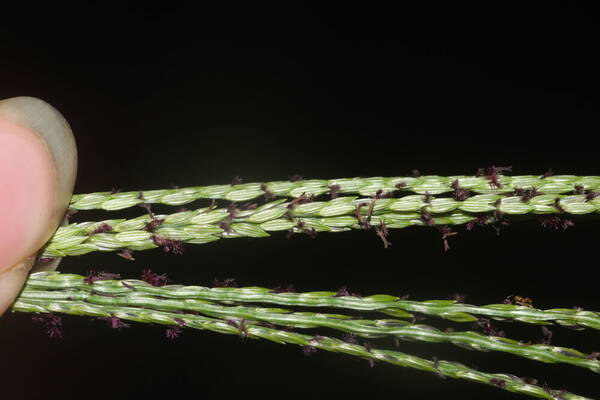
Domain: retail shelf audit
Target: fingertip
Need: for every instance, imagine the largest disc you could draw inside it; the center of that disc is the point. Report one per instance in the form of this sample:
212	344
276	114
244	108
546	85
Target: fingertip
38	161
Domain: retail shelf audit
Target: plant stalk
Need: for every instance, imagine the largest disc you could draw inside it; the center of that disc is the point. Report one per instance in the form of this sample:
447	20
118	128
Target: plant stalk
250	329
361	327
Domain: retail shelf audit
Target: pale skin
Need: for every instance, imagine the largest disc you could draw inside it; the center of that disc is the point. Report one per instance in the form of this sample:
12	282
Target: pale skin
38	163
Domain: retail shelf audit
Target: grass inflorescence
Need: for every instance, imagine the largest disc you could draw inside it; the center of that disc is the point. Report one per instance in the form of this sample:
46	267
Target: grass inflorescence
300	206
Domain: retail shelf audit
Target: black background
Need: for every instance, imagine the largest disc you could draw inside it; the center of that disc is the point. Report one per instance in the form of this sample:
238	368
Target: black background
180	95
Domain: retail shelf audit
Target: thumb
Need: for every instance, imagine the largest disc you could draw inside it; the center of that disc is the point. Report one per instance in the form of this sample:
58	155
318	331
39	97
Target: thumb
38	164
